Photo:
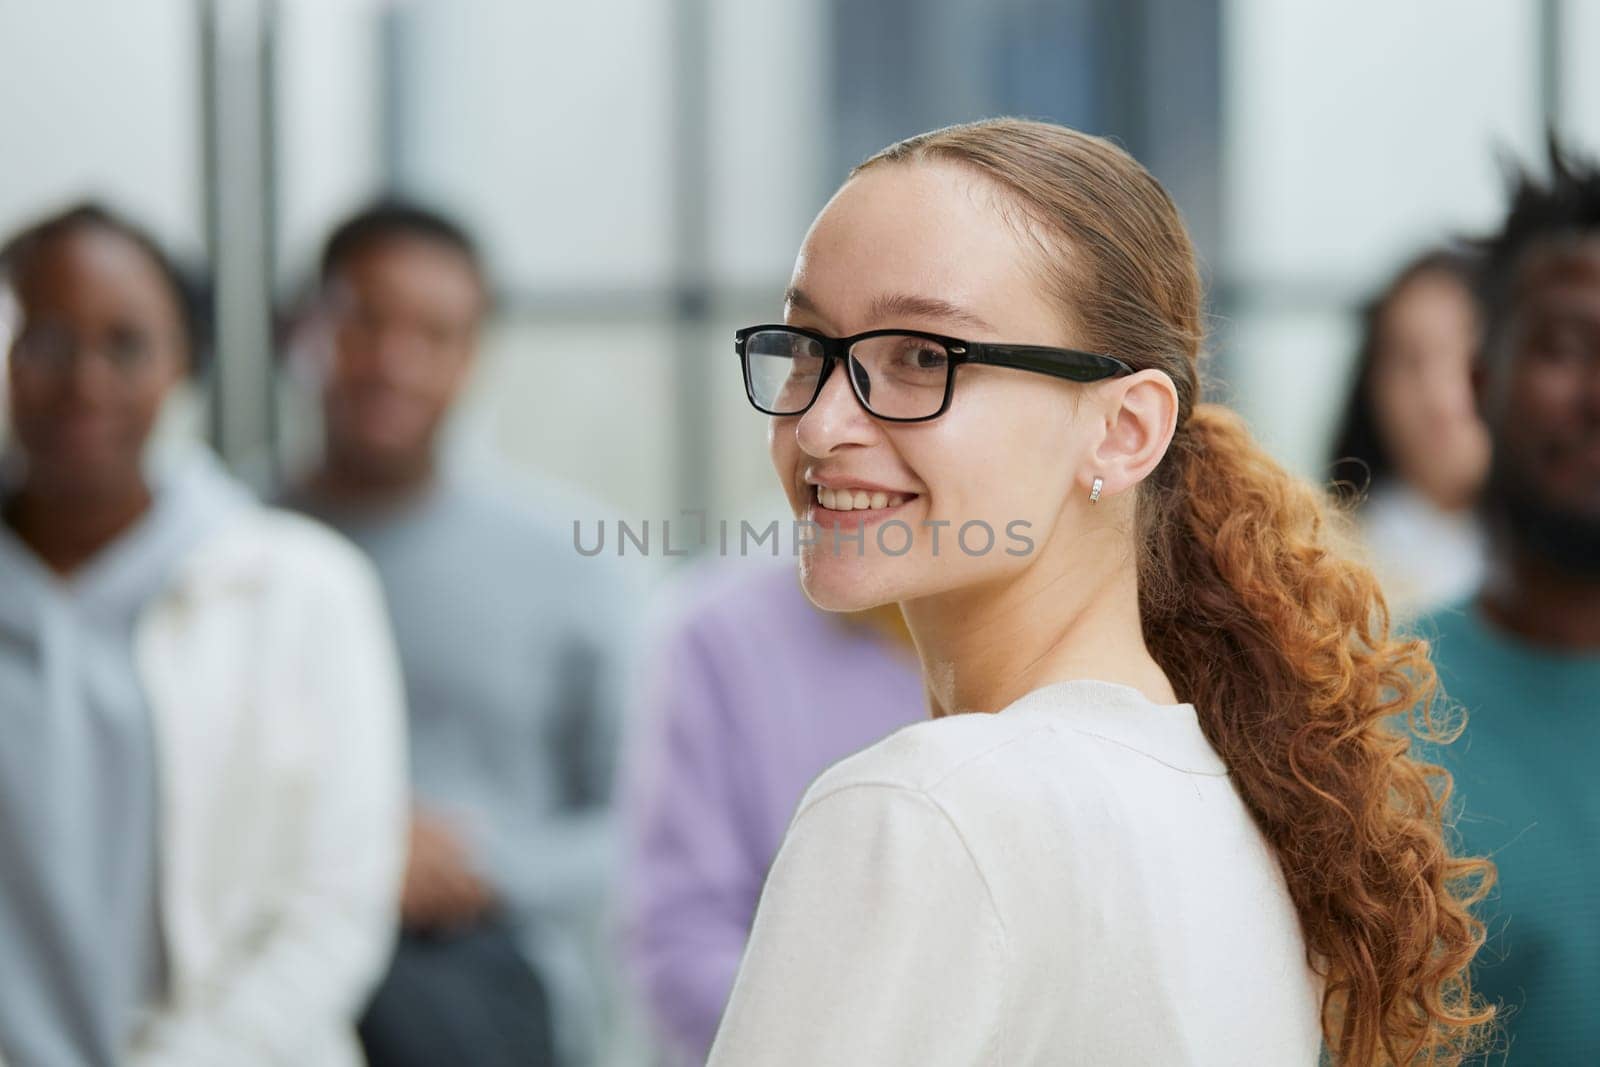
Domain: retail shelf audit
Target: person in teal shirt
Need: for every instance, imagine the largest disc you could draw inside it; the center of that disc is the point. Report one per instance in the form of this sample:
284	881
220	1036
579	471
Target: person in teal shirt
1523	657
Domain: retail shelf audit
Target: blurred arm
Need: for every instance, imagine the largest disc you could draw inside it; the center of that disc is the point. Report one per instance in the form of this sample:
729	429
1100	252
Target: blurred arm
694	867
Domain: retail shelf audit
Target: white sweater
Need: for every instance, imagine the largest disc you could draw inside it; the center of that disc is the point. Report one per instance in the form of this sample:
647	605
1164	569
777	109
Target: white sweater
275	717
278	718
1073	880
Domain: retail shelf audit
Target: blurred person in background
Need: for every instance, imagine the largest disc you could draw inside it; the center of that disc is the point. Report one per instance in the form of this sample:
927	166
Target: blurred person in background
1160	814
511	647
752	692
1522	657
1411	449
202	802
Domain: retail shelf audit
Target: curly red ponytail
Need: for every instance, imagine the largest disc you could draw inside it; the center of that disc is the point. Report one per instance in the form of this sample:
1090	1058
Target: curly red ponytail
1285	645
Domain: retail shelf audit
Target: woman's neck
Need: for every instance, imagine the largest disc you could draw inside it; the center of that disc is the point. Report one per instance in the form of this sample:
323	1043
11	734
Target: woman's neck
984	647
66	530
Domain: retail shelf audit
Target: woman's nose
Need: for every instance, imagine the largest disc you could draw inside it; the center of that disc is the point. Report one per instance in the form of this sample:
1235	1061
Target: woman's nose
836	417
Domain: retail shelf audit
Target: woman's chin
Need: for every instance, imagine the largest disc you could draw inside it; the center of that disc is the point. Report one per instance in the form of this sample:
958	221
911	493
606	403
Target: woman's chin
843	583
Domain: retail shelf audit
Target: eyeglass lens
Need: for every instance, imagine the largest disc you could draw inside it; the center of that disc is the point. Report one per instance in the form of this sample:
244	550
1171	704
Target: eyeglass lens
896	376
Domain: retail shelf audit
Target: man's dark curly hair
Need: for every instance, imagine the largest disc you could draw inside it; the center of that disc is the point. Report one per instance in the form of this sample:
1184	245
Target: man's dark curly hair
1564	207
391	218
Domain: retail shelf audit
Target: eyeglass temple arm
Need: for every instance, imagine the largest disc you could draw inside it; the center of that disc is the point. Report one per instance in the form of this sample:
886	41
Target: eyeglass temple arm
1043	359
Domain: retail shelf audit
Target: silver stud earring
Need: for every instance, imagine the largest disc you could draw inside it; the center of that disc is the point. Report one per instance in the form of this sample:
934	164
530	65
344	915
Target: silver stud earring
1094	490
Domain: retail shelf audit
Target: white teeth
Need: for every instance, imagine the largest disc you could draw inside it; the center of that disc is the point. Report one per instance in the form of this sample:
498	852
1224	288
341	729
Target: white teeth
857	499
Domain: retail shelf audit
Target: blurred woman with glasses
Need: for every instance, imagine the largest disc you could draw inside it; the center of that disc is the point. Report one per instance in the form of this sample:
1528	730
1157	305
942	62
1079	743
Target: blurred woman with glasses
1411	453
201	778
1160	814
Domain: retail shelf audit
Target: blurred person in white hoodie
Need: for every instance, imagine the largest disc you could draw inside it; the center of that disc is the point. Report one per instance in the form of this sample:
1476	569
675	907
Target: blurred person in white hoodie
202	801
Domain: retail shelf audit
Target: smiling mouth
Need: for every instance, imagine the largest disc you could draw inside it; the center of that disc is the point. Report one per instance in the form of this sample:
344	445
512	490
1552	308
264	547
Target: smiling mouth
847	500
848	509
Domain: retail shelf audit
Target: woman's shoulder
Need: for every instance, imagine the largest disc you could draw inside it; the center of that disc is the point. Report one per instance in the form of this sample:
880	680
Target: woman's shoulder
281	550
1094	736
927	757
964	796
290	535
887	816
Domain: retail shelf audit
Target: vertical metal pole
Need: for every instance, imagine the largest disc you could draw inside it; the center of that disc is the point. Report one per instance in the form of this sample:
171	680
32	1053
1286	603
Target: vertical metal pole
1125	92
1180	133
267	107
206	14
237	45
1549	66
1180	99
691	303
392	107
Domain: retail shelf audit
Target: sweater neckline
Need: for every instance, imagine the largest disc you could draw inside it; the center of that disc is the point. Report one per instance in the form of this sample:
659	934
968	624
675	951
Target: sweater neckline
1116	693
1121	714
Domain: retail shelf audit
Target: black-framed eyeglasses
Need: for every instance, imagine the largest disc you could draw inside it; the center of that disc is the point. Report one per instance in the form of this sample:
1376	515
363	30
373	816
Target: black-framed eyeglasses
56	349
897	375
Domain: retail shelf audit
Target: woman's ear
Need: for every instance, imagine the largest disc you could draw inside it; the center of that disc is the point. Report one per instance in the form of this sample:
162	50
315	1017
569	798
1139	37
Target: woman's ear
1141	417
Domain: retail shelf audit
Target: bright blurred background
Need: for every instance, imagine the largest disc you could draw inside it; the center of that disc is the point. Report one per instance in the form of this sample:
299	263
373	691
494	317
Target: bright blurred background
641	173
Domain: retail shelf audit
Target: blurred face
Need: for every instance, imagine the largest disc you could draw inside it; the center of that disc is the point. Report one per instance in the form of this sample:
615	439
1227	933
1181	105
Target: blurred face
1422	389
404	315
100	344
1542	401
924	246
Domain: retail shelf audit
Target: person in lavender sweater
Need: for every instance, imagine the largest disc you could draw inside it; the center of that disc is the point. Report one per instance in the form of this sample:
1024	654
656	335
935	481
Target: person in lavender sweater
752	693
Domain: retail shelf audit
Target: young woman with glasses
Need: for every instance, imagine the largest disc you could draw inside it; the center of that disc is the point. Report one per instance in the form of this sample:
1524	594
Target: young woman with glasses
1162	813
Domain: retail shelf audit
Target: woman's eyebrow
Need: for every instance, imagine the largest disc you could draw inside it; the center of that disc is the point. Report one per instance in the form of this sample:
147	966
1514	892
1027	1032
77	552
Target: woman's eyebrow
898	305
895	305
796	300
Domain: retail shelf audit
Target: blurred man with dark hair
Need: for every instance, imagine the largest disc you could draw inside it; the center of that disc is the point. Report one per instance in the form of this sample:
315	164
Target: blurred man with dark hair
508	644
1523	658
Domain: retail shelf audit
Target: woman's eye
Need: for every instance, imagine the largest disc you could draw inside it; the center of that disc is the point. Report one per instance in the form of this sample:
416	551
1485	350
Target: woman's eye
924	358
44	345
128	347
